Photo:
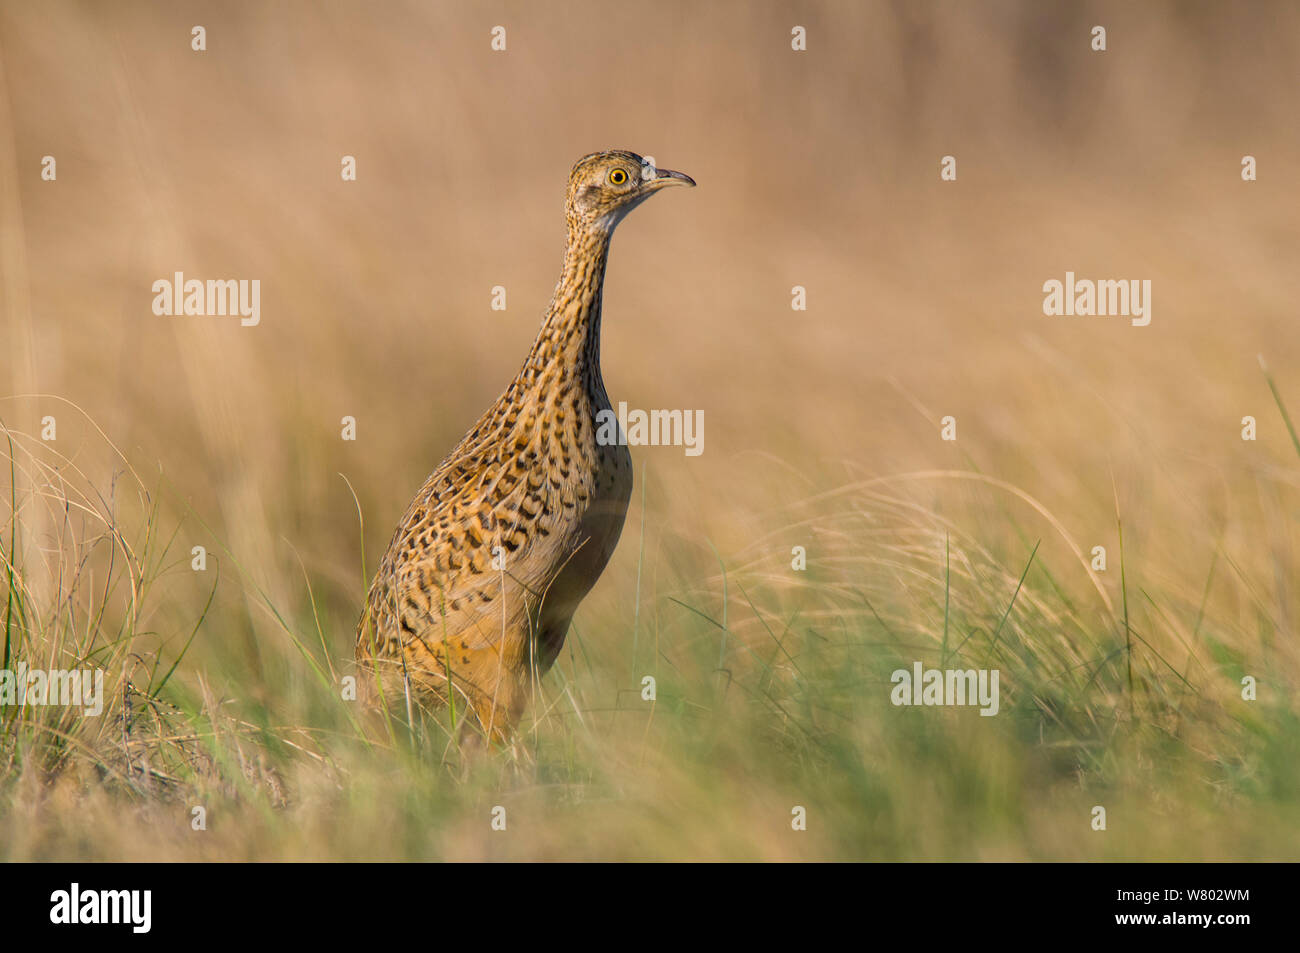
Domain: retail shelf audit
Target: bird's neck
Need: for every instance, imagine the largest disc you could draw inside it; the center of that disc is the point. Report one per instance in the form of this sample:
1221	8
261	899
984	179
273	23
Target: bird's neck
569	341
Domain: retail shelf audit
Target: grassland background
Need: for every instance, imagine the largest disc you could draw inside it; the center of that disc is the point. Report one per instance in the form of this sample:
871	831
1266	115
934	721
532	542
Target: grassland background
822	428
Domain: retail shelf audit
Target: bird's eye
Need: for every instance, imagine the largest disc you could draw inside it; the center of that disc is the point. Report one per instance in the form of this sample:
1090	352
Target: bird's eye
618	176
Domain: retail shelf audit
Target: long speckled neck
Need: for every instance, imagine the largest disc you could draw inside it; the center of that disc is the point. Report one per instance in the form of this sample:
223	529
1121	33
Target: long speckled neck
569	340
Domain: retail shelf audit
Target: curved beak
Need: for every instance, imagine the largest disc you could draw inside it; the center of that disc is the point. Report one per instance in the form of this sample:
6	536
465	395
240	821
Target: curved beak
666	177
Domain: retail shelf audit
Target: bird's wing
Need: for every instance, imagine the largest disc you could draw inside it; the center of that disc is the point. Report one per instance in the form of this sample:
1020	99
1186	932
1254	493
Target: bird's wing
444	577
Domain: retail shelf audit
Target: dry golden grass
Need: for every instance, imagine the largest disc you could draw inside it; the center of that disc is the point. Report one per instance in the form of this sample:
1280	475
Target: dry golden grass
817	169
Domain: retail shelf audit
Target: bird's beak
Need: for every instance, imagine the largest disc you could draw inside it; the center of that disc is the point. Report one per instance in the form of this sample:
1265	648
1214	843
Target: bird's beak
666	177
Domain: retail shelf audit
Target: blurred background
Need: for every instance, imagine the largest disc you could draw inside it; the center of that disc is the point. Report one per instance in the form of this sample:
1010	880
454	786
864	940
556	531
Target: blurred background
816	168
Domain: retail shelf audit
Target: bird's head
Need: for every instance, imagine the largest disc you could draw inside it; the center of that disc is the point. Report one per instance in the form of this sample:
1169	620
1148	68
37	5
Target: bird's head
605	186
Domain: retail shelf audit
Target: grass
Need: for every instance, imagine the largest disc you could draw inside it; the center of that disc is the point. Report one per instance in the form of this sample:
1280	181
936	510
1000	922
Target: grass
771	690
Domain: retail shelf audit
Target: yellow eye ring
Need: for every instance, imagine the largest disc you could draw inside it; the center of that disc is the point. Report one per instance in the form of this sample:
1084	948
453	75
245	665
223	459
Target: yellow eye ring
618	176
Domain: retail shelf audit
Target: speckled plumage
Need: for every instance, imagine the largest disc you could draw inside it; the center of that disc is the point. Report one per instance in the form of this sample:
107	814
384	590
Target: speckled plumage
511	531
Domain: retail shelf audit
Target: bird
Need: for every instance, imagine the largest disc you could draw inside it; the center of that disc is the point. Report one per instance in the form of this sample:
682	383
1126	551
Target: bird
473	598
